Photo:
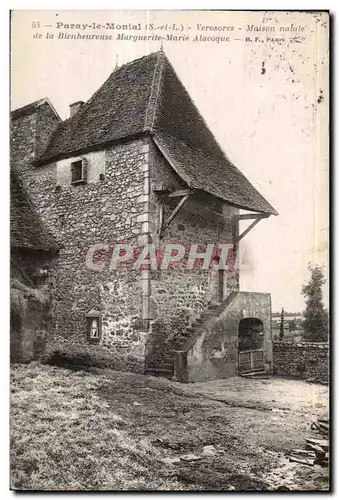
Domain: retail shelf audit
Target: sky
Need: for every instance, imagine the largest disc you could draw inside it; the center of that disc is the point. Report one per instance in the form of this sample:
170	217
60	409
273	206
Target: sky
265	99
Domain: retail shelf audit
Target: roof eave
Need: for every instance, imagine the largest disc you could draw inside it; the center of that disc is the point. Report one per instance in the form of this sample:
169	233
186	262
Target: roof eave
192	186
241	206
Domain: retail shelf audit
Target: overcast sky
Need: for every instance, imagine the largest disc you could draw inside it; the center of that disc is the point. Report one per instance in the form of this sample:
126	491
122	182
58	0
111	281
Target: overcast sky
265	102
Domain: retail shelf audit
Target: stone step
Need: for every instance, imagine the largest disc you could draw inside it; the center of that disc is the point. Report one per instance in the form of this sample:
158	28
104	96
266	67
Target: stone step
258	374
189	329
160	364
196	324
181	337
168	361
212	307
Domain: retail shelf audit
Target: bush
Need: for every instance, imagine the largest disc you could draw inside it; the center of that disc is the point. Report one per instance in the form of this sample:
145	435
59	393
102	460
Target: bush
79	357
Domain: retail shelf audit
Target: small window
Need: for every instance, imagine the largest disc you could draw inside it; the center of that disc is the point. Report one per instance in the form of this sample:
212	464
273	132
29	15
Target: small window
94	333
93	328
79	171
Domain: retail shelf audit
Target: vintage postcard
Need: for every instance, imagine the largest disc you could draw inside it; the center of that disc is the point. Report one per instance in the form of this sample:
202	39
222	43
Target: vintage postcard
169	182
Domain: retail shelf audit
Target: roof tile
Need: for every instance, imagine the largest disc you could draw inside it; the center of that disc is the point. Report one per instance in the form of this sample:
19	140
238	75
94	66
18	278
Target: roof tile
26	228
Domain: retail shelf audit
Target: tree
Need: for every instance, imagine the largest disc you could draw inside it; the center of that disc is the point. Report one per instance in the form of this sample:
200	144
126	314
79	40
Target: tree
315	324
293	325
281	334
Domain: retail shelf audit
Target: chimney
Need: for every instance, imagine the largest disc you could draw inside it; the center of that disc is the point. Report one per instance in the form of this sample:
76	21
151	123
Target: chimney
74	108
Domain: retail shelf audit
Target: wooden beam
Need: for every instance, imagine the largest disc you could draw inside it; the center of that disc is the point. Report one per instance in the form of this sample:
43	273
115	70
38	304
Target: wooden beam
174	213
160	188
257	218
240	237
250	216
176	210
180	192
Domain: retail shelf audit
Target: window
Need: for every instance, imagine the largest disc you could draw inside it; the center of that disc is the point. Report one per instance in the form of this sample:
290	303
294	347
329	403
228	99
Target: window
93	328
79	171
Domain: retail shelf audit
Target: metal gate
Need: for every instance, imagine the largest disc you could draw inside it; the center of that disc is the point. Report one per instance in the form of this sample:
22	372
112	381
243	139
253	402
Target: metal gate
251	361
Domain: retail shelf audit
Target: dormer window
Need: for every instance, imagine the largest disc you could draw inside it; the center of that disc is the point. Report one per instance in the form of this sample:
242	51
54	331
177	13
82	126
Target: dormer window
79	171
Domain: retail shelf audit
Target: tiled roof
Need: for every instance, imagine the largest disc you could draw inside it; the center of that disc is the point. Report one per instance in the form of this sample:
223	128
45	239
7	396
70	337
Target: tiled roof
147	96
118	109
26	228
217	177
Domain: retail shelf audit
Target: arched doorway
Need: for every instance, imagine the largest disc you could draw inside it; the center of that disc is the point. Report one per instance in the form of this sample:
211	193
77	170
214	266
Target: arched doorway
251	344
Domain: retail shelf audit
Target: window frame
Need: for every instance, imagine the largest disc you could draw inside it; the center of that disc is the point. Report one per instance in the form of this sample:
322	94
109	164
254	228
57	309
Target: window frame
83	171
89	320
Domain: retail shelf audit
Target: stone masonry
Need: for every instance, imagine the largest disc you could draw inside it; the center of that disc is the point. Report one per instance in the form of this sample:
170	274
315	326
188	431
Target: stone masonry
304	360
214	353
111	208
178	295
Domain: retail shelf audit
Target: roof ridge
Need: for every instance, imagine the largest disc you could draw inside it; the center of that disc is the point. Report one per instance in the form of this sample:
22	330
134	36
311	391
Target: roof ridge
155	88
34	106
37	102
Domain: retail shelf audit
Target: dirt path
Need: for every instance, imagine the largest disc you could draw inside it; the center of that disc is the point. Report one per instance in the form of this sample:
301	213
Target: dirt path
252	424
282	411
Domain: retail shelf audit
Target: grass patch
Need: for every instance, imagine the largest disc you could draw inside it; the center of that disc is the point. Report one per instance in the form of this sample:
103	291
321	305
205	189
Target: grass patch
72	356
64	437
110	430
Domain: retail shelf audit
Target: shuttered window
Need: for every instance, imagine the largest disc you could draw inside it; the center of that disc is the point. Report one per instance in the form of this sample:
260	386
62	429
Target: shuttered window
79	171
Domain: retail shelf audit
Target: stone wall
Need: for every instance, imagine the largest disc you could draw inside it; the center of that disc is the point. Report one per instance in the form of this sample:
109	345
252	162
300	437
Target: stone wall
179	296
23	141
304	360
104	213
30	133
108	210
30	315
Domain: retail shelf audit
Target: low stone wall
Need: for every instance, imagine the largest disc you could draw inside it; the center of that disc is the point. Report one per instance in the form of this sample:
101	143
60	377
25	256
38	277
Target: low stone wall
304	360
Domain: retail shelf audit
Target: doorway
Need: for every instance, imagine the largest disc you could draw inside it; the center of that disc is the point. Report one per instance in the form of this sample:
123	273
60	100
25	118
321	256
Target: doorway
217	283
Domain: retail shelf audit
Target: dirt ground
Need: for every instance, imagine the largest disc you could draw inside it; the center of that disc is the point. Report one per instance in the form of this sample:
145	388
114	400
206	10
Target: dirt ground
107	430
275	415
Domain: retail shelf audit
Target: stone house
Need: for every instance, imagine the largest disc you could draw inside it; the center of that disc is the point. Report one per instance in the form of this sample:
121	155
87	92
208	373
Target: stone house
136	167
